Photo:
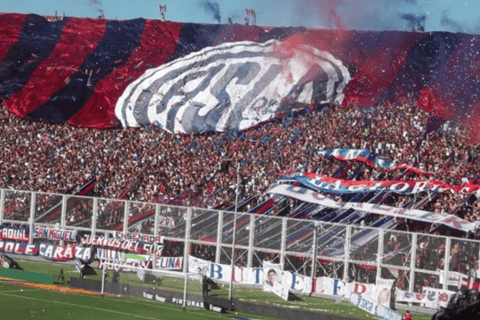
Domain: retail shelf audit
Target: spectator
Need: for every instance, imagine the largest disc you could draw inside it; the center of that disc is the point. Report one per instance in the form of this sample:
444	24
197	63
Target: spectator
153	166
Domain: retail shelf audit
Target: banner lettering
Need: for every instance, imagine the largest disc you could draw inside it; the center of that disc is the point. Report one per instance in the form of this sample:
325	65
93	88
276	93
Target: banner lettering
19	248
21	234
124	245
170	263
140	237
55	234
310	196
340	186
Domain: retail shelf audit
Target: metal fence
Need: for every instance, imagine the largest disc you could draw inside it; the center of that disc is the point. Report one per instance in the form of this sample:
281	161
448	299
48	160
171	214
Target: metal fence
348	252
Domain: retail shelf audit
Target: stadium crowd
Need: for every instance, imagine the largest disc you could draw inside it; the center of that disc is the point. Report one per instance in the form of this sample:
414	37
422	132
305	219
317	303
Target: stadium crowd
147	164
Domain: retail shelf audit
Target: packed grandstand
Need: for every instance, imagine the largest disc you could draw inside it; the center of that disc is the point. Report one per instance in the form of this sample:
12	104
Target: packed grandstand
398	139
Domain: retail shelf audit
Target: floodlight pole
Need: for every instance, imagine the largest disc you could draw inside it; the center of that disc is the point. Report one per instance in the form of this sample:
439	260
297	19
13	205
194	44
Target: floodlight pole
162	8
234	232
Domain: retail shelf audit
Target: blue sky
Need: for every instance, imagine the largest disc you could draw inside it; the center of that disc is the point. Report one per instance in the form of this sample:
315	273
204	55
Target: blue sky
441	15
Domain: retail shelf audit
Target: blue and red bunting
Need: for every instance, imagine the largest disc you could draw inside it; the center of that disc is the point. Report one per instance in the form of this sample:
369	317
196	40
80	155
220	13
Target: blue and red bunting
75	70
36	41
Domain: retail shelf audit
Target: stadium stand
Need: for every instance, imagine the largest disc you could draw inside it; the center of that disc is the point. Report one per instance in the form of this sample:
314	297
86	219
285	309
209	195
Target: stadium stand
149	165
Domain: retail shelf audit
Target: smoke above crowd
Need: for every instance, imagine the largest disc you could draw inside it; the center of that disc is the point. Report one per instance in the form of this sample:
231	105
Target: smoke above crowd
380	15
371	15
365	15
212	8
97	5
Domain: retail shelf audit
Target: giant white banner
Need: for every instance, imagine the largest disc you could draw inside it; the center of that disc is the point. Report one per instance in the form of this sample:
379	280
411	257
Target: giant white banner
223	272
232	86
429	297
271	278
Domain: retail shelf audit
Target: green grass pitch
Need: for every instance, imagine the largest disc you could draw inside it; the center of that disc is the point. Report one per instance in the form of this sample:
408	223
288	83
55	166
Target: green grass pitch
17	302
113	307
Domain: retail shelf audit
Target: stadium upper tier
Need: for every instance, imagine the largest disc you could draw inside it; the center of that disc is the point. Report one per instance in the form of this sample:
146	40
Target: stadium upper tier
99	73
194	77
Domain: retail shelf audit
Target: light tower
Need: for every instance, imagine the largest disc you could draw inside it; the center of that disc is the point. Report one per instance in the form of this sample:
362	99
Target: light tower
162	8
250	13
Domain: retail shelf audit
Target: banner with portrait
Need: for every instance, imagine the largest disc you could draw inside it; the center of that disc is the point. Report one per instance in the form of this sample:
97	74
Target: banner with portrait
272	275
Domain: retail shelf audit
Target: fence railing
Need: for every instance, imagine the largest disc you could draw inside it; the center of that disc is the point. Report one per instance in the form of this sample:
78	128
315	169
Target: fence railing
308	247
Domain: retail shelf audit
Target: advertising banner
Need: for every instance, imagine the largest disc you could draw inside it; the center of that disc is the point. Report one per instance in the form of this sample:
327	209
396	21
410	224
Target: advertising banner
364	303
310	196
19	248
329	286
370	305
429	297
54	252
341	186
134	236
199	266
124	245
387	313
383	291
55	234
273	275
251	276
111	255
125	266
358	288
297	283
169	263
166	222
17	234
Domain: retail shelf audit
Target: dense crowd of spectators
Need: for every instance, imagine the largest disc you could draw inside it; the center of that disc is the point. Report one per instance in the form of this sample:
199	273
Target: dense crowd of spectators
148	164
79	213
17	206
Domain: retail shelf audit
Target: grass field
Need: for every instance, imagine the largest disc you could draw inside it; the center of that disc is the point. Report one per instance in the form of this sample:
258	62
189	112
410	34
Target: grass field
127	307
30	303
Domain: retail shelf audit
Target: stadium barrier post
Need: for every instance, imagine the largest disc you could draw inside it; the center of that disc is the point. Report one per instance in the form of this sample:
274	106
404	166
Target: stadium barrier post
413	254
232	262
63	216
314	255
155	232
381	236
186	250
125	218
185	290
94	215
251	238
103	277
61	224
219	237
32	214
283	242
2	200
346	251
446	264
314	251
